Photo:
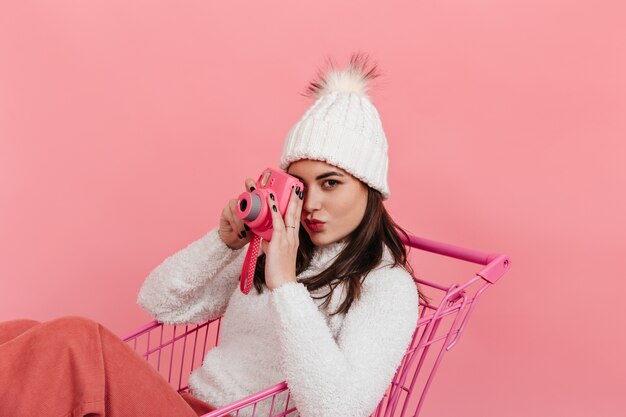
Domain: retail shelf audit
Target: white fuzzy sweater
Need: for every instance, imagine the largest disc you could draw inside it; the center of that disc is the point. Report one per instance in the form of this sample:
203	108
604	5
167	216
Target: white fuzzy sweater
334	366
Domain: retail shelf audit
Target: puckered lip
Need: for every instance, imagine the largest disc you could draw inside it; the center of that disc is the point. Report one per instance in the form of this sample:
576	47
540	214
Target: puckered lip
313	221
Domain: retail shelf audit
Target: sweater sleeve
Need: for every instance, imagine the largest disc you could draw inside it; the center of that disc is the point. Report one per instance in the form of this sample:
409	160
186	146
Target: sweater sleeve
347	377
194	284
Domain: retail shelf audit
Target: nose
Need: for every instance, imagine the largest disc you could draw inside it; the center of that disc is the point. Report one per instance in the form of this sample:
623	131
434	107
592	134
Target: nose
312	200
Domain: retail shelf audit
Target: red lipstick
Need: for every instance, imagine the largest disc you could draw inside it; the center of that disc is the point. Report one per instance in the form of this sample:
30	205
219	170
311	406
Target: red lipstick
314	225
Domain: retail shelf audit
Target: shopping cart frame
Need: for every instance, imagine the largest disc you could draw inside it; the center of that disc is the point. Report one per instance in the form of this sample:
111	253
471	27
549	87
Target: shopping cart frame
441	323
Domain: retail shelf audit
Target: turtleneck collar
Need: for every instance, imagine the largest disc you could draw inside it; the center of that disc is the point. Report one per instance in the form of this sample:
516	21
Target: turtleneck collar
323	257
328	253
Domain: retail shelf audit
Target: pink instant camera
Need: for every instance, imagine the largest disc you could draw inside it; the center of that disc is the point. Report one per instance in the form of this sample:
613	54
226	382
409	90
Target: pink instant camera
253	209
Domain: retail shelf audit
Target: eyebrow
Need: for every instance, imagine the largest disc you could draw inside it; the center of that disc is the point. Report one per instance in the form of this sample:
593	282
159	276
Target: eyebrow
322	176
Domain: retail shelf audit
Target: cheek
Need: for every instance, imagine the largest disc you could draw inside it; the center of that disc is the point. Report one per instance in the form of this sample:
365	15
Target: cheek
359	209
350	209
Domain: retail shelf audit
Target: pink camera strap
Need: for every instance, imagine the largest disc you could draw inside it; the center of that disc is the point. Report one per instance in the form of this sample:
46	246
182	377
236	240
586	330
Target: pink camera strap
249	265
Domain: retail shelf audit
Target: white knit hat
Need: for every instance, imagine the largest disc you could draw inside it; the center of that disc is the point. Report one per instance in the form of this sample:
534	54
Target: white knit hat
342	127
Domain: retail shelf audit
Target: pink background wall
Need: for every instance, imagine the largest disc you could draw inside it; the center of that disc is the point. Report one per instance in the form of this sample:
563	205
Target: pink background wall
126	126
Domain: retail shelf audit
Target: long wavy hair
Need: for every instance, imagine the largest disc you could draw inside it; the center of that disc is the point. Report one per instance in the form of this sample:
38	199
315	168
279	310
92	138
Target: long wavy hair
362	253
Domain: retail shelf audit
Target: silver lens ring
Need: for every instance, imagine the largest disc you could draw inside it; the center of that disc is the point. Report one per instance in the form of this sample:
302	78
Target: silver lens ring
255	207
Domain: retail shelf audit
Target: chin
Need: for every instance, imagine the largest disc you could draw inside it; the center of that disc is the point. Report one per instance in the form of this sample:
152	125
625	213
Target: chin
322	240
319	239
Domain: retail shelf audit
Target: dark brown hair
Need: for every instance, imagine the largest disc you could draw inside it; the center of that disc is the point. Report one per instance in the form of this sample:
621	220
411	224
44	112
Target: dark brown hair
362	253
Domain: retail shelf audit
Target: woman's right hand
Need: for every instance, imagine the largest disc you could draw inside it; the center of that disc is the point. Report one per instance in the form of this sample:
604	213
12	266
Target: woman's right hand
232	229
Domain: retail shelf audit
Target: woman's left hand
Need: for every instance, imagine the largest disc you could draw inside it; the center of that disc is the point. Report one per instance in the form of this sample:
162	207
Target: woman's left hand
282	250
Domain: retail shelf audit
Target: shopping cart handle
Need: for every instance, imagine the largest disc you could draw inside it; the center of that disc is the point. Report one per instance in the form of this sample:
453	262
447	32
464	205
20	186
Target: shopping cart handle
495	269
496	263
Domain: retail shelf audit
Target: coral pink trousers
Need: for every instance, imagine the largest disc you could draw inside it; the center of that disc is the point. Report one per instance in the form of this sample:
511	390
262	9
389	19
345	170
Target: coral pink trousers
75	367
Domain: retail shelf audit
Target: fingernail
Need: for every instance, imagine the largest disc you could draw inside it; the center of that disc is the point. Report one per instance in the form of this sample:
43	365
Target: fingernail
272	196
301	195
274	208
246	227
239	236
252	188
243	233
297	189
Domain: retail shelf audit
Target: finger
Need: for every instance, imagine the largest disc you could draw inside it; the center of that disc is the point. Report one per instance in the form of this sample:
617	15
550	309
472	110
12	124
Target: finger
299	210
224	216
250	184
227	217
232	207
277	220
236	222
292	216
232	219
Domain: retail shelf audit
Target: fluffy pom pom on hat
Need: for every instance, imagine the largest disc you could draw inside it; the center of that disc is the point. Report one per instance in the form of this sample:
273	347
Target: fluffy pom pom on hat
343	127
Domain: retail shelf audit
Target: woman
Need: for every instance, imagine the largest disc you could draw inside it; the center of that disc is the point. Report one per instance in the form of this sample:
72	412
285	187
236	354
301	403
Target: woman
335	305
339	308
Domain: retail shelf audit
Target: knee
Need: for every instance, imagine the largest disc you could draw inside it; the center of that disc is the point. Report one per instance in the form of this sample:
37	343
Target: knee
9	330
74	321
72	325
21	323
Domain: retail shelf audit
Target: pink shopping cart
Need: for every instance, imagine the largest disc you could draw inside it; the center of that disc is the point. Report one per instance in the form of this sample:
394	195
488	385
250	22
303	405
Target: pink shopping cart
175	351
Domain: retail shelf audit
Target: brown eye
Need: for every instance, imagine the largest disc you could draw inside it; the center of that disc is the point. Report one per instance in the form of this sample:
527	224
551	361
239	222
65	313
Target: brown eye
331	183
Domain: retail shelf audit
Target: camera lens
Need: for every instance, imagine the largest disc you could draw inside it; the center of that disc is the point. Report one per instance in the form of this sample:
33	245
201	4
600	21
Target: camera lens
255	207
242	205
